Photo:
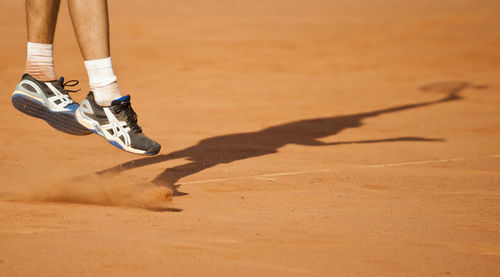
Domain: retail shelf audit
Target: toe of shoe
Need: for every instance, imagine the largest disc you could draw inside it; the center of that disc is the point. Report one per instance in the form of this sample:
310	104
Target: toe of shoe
146	144
154	149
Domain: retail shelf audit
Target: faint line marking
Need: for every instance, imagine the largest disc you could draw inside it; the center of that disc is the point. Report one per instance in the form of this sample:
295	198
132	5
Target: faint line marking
262	177
416	162
294	173
265	179
268	175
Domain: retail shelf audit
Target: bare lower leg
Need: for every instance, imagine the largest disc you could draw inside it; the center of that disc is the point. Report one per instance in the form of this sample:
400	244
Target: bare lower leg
90	22
41	18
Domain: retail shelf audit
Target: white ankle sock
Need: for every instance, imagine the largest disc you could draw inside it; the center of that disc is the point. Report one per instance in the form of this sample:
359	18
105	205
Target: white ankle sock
40	61
102	81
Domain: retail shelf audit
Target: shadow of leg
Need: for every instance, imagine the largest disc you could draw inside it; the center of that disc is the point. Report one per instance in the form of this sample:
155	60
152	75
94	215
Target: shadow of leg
170	176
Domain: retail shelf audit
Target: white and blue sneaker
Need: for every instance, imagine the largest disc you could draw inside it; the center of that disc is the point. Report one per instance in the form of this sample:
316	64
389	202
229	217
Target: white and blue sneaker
49	101
117	124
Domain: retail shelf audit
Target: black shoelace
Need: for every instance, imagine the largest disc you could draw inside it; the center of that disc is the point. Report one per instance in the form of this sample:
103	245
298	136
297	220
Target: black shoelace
131	115
71	83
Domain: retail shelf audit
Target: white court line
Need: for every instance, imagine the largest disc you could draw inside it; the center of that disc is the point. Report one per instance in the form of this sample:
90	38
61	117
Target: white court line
265	179
294	173
417	162
263	176
266	176
216	180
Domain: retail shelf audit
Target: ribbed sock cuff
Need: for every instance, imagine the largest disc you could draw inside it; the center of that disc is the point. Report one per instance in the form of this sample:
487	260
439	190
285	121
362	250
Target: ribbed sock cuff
100	72
40	61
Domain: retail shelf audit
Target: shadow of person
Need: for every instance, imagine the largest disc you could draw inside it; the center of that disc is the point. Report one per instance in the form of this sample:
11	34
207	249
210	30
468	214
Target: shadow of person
212	151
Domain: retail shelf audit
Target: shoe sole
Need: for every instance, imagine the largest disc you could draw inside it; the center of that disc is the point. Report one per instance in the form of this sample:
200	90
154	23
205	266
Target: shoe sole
61	121
94	126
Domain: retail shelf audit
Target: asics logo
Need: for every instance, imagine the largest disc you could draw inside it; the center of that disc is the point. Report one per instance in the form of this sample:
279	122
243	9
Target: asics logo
116	128
59	99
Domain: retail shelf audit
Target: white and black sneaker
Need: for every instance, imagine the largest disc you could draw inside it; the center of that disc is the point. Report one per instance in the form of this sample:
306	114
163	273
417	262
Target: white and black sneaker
49	101
117	124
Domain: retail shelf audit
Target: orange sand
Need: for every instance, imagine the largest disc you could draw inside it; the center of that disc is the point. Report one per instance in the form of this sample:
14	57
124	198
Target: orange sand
300	138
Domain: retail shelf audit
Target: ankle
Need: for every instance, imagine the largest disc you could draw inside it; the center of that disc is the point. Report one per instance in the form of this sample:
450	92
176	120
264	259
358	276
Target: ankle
102	81
40	61
105	95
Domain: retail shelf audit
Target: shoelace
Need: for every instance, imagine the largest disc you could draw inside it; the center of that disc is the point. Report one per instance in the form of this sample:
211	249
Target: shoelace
131	116
70	83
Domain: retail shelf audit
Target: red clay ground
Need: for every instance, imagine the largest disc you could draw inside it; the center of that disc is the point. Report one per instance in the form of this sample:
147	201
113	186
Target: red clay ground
309	138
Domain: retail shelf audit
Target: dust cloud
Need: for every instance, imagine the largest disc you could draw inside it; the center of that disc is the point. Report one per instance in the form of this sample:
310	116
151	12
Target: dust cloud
105	189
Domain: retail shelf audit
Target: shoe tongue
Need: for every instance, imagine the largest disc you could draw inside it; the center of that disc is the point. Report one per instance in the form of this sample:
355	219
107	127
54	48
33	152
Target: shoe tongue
121	100
59	84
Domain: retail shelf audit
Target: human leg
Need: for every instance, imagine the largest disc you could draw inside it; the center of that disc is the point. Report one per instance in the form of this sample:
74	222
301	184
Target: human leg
41	18
91	26
39	94
105	111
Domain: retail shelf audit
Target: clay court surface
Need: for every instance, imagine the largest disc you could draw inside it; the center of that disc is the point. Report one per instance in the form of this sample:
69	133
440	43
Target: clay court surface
300	138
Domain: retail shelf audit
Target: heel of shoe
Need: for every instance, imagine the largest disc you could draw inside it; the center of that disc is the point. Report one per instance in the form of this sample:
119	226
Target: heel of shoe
28	105
64	122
